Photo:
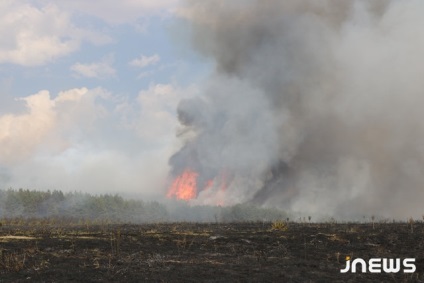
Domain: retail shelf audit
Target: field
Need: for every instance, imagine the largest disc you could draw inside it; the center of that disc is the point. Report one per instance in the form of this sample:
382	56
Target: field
215	252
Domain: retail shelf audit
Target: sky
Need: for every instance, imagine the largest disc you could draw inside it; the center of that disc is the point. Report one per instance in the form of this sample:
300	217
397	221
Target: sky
305	105
88	94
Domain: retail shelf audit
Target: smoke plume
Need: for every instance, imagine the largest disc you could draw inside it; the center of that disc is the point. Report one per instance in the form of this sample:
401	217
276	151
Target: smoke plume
314	106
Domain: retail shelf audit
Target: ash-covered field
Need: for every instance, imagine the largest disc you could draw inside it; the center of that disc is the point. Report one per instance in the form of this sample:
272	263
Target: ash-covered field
214	252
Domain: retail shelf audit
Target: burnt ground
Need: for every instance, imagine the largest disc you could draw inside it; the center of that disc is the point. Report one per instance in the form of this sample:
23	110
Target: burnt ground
189	252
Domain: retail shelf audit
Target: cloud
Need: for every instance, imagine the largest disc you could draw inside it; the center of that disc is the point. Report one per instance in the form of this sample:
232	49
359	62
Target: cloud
152	115
99	70
157	121
145	61
91	140
34	34
48	123
31	35
125	11
20	134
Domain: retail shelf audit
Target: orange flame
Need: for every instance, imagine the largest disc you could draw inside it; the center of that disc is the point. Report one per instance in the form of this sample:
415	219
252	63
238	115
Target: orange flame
184	186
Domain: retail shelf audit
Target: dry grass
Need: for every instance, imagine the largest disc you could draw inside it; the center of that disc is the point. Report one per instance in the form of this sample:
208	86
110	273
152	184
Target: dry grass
279	226
14	238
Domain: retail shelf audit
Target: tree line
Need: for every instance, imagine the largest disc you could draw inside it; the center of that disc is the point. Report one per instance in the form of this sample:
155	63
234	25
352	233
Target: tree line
77	206
46	204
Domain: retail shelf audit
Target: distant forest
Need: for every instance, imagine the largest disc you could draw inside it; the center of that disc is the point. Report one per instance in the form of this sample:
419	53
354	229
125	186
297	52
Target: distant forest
77	207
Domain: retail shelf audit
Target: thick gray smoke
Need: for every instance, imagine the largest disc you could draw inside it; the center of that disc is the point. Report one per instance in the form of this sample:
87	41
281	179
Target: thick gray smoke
314	106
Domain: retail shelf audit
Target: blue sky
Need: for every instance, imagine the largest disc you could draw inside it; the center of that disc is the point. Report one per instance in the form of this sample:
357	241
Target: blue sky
116	46
88	95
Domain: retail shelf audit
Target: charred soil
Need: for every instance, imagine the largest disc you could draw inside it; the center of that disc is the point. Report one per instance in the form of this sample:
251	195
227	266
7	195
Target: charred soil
219	252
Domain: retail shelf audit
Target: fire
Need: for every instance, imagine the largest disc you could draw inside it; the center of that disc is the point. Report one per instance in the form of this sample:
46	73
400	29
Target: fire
184	186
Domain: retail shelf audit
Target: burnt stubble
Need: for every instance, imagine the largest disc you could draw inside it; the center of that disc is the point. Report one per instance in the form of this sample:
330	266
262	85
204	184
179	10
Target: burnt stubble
215	252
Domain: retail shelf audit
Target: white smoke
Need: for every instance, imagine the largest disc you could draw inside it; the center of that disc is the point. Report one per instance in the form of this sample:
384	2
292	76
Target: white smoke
314	106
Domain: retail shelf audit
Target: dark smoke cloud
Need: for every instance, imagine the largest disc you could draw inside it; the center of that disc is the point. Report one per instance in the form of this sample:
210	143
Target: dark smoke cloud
314	106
